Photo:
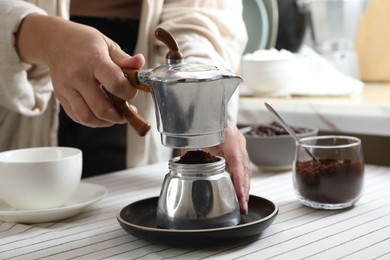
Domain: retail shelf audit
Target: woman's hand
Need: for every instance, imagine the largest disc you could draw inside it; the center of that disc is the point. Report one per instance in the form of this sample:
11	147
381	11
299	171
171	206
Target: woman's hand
233	149
81	60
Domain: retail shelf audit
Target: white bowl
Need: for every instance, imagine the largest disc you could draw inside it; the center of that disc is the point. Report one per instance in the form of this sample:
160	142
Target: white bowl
274	76
39	178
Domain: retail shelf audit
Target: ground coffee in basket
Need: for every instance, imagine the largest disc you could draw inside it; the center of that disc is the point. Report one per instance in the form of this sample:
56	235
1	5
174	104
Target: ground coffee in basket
329	180
197	157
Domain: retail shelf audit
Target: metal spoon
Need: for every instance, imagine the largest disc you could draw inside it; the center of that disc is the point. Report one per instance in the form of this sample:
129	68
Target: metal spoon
288	129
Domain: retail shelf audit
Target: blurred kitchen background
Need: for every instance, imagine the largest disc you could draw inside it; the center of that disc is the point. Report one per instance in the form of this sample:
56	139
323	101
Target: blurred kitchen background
320	62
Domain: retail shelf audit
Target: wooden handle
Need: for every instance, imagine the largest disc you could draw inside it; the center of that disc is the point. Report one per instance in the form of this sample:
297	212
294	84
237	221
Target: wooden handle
140	125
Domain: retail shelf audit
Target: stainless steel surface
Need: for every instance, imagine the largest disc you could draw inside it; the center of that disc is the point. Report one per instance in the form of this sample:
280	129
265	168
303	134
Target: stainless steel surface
191	102
334	23
190	98
333	27
289	130
197	196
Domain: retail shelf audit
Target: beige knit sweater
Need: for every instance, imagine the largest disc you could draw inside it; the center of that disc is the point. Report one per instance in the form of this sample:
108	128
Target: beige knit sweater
209	31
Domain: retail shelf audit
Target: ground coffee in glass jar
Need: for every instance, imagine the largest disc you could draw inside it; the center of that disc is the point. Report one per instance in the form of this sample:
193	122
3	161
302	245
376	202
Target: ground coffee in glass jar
329	180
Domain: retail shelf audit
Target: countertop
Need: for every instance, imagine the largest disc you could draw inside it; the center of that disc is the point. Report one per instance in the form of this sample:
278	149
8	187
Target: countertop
367	113
298	232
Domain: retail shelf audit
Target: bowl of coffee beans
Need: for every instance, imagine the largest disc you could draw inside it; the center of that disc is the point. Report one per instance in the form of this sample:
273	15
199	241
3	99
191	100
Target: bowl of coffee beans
270	147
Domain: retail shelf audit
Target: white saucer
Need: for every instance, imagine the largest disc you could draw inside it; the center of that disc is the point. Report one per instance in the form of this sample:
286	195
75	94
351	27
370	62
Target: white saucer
85	195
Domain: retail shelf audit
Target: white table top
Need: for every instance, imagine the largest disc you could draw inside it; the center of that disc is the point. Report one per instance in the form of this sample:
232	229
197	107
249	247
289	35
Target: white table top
368	113
362	232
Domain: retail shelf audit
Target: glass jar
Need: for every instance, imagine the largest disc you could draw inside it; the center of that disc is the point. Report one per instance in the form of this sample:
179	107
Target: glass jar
334	178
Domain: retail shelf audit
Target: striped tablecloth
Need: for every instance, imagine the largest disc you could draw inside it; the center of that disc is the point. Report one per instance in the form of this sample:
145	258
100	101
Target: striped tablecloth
298	232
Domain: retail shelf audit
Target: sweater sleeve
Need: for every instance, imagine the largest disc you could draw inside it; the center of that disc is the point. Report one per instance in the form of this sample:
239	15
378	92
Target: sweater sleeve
207	31
24	88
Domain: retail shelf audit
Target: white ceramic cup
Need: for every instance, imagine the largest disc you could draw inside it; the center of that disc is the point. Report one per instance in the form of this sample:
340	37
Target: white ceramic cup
39	178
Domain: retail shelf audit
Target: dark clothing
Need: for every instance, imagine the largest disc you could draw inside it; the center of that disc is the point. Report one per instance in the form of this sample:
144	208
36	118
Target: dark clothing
104	149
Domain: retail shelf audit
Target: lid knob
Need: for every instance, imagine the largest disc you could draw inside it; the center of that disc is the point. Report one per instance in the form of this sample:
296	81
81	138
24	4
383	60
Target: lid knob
173	55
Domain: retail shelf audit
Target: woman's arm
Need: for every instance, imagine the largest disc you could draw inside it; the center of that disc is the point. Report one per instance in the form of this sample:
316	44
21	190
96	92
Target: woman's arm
80	59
